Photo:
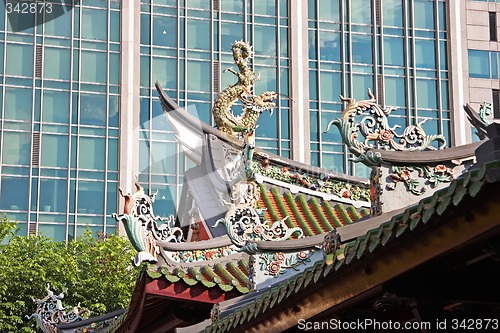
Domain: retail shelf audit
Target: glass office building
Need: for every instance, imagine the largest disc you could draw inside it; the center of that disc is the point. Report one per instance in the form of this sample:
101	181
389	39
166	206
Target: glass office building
80	116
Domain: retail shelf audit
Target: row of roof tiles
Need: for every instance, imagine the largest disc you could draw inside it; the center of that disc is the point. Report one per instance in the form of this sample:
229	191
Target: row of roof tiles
311	216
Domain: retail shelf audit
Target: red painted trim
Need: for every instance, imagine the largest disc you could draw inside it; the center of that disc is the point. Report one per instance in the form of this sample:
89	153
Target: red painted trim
181	290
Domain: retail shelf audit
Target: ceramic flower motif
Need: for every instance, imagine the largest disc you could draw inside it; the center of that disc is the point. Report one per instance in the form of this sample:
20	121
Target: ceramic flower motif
277	263
192	256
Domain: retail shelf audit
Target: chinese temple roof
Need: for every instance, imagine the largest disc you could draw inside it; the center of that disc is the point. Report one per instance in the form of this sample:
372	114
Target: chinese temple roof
260	241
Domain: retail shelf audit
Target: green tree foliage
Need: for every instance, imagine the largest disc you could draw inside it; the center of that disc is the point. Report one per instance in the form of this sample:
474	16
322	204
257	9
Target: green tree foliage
96	272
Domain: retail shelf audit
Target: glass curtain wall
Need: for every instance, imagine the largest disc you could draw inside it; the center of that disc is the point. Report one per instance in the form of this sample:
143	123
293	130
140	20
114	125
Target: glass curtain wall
185	46
398	48
59	118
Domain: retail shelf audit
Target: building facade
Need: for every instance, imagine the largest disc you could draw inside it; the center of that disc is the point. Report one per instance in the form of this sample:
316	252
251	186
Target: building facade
80	115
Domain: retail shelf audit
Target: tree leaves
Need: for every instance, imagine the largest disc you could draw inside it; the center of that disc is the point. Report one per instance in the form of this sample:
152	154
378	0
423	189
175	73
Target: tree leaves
96	271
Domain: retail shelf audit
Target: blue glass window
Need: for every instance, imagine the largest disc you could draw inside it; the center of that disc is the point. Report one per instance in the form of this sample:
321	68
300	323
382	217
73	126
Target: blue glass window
330	86
361	11
393	51
92	109
91	153
164	31
19	59
265	40
362	49
93	67
55	106
54	193
90	197
424	53
94	24
55	24
393	13
198	34
199	75
57	63
18	103
395	91
329	10
13	193
423	16
54	150
16	148
479	64
229	33
329	45
165	72
426	94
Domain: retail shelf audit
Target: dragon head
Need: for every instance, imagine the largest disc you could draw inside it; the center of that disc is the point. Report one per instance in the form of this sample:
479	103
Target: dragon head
265	101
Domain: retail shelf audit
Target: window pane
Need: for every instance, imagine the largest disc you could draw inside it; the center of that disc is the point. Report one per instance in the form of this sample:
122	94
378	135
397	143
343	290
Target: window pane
393	12
265	8
114	68
17	148
361	11
165	72
164	204
361	83
92	109
91	153
267	80
198	34
54	231
426	94
90	197
13	193
112	198
423	15
329	10
265	40
395	91
18	103
94	24
425	54
93	67
53	194
229	33
56	24
163	157
393	51
330	86
19	60
113	111
57	63
164	31
232	6
362	49
268	125
329	43
55	106
199	75
114	26
113	154
54	150
201	4
479	64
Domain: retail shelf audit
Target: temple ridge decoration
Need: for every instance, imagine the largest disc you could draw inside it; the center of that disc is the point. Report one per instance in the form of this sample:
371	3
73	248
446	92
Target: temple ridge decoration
50	312
242	90
142	228
375	127
243	223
